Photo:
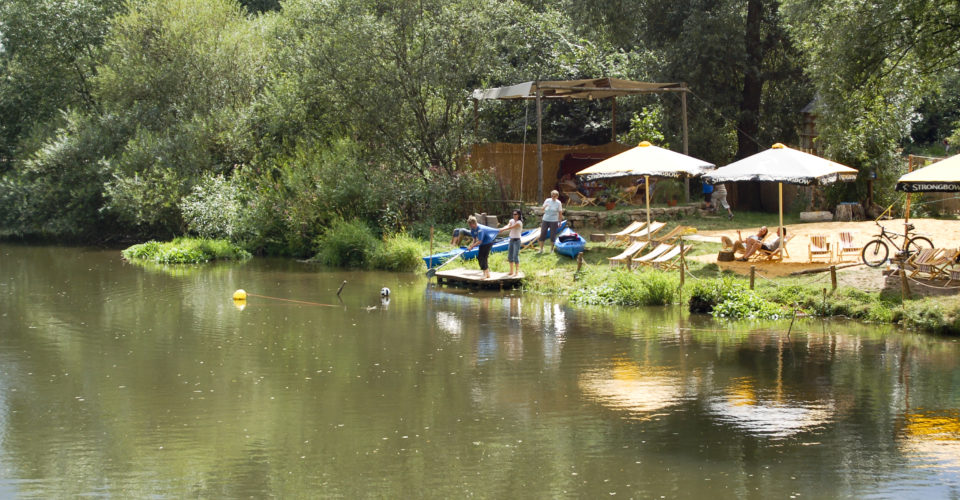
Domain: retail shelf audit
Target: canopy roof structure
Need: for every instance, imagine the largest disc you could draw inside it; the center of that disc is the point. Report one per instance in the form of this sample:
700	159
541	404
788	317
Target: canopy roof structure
941	177
594	88
597	88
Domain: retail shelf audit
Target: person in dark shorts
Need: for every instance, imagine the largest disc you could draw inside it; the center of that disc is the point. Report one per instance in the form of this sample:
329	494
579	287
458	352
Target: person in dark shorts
552	215
484	236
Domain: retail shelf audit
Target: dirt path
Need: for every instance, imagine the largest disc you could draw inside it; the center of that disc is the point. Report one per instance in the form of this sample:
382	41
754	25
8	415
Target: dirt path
944	234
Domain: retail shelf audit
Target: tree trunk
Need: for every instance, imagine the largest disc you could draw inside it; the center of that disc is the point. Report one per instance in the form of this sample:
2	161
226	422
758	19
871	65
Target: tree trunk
748	123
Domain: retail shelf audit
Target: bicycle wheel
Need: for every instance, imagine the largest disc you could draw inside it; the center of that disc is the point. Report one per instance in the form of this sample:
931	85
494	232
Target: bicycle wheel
875	253
918	243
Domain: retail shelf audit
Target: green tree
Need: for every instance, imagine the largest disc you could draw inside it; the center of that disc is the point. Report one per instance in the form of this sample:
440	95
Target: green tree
182	75
49	51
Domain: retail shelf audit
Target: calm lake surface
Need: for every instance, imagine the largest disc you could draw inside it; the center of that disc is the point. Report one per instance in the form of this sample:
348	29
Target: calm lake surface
123	381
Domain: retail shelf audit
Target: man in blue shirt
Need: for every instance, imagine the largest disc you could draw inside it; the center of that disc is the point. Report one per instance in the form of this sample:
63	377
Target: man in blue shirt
483	236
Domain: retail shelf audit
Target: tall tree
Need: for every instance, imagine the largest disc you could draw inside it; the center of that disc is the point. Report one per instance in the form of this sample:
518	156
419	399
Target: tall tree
49	51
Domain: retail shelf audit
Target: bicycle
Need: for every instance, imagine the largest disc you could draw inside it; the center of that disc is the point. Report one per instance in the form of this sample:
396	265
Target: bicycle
876	251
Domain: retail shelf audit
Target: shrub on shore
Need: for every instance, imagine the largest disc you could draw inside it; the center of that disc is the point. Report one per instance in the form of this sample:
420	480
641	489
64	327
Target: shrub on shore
185	250
346	244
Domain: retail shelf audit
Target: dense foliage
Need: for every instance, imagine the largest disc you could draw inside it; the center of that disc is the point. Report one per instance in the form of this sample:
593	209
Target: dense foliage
265	121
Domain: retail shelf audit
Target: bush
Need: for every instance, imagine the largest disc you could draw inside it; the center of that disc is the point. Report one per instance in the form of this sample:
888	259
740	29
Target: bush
185	251
399	252
347	244
626	288
728	298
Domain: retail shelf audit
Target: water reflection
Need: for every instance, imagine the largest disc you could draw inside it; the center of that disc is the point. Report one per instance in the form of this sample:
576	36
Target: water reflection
121	381
779	417
639	391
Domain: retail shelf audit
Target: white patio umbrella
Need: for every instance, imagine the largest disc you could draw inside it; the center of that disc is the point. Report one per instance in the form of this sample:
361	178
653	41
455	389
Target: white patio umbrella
940	177
783	165
649	161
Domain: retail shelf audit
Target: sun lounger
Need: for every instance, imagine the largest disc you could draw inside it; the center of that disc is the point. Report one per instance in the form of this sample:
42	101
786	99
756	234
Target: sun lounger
819	248
848	247
625	256
578	199
647	232
530	239
624	234
652	254
672	235
671	258
931	262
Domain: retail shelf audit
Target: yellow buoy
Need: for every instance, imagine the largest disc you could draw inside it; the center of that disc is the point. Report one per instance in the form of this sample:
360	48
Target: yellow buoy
240	295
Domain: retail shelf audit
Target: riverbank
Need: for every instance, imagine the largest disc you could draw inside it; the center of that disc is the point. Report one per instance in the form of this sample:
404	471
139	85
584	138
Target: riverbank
778	292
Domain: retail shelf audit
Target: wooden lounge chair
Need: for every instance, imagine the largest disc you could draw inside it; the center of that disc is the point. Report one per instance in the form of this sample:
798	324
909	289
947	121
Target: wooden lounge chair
848	247
530	240
625	256
819	247
671	235
671	258
578	199
627	194
928	261
777	254
624	234
953	274
652	254
647	232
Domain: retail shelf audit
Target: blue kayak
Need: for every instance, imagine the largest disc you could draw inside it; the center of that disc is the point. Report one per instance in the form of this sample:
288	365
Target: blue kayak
570	243
500	245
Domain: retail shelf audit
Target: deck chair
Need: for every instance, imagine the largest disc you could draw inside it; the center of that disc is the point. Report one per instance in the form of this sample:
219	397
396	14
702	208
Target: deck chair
671	235
530	239
929	261
578	199
671	258
652	254
624	234
819	248
953	274
776	255
647	232
625	256
848	247
627	194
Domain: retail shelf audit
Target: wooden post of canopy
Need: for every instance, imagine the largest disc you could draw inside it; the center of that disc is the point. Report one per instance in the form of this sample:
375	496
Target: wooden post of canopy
613	121
539	148
686	149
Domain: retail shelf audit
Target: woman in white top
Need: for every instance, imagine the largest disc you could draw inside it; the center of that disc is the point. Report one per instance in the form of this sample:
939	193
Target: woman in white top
552	215
515	225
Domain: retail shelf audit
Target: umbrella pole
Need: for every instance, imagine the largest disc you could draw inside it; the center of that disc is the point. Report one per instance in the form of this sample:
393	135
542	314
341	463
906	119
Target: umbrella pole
646	187
780	198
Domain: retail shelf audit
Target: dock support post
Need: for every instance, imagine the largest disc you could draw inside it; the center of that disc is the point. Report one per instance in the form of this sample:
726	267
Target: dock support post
753	272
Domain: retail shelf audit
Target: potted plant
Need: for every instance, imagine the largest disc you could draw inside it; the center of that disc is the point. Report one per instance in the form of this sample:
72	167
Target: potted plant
609	197
670	191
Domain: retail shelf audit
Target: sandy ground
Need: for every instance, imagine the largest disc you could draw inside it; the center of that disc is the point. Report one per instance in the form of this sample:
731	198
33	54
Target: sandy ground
945	234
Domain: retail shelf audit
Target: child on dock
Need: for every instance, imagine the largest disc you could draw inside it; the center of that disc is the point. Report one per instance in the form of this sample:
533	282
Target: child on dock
515	225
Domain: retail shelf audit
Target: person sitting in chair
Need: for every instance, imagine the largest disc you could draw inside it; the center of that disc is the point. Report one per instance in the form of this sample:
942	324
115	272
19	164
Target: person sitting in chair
754	243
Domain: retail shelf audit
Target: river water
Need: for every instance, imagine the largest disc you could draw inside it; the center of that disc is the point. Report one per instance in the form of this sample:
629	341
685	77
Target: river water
126	381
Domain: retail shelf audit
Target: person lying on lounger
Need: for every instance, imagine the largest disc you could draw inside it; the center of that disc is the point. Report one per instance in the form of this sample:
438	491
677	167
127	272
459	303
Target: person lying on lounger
754	243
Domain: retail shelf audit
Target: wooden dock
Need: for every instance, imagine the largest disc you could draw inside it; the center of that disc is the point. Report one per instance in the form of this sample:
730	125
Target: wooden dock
474	278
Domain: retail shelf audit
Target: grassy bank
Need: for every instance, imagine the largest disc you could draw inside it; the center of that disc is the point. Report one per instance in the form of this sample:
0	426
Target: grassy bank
709	290
185	250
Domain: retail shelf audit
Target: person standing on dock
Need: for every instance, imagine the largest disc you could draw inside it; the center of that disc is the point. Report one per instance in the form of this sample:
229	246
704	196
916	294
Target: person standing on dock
515	225
552	215
484	236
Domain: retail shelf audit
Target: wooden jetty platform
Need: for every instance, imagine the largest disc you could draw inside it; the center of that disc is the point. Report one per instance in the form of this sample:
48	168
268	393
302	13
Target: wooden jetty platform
474	278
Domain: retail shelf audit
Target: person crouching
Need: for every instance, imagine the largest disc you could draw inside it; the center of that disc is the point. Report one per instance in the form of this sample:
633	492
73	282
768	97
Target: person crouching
484	236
